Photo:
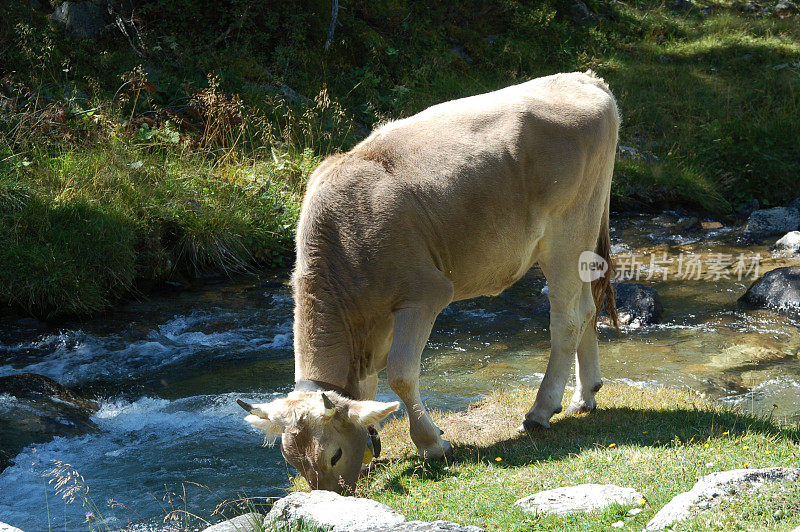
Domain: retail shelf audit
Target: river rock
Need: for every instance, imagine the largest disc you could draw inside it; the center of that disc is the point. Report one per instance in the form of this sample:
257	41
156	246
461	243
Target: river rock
711	225
688	223
251	522
774	221
790	241
34	408
778	289
582	498
638	304
715	487
8	528
331	512
81	20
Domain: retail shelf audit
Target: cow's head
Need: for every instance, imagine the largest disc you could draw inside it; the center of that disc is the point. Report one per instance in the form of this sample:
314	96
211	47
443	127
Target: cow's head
323	435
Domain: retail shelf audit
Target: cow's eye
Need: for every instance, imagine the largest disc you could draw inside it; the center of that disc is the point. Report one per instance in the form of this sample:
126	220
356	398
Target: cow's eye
336	457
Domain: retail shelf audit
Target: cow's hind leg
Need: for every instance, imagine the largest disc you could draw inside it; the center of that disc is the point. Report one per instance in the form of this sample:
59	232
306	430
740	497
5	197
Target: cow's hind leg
571	310
412	327
587	373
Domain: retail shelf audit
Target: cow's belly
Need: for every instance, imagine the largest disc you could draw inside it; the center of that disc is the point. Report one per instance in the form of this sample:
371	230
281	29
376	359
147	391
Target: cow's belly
489	269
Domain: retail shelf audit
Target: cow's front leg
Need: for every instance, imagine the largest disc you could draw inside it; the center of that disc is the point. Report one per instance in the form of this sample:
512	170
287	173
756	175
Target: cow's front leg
412	326
571	309
368	388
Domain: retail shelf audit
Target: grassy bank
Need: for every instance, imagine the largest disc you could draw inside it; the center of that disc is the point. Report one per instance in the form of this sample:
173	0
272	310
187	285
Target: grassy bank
658	441
183	145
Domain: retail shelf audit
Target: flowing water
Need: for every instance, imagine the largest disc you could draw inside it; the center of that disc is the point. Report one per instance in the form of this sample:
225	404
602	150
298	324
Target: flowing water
167	372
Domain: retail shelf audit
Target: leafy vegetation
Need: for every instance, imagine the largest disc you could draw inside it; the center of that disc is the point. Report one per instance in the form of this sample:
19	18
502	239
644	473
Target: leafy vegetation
183	145
656	440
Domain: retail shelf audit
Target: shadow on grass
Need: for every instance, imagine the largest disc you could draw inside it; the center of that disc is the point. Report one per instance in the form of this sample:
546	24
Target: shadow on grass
602	429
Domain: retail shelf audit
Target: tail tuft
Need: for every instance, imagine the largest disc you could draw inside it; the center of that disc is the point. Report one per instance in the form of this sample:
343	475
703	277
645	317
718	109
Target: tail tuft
602	290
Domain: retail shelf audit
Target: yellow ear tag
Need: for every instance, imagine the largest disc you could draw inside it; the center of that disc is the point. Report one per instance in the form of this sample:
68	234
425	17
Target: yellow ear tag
368	452
367	455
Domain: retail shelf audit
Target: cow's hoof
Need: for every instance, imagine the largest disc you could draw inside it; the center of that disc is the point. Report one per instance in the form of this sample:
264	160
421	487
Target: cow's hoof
530	425
581	407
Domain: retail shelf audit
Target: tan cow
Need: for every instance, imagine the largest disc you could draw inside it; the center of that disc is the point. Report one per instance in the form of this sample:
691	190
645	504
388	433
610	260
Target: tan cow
455	202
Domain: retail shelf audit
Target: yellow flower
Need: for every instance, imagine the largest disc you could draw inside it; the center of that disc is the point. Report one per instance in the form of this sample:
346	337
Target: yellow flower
746	447
498	459
767	451
610	445
642	501
725	433
746	466
706	446
424	501
644	432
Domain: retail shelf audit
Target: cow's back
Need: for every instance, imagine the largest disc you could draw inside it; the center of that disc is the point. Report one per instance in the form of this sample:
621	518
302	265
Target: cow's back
467	186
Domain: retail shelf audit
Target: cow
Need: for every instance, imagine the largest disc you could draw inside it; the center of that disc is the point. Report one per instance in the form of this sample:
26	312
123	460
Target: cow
455	202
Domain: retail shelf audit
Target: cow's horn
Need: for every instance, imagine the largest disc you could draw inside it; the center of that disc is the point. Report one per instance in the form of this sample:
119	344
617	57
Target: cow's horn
330	408
247	406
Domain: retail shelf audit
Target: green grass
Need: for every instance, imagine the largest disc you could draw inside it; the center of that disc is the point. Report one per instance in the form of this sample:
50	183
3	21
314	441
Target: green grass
712	93
658	441
87	226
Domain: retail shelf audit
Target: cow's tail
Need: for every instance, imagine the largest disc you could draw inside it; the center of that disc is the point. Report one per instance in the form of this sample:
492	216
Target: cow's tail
602	290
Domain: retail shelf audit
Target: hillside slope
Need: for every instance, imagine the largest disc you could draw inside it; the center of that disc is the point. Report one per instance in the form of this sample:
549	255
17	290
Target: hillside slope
177	140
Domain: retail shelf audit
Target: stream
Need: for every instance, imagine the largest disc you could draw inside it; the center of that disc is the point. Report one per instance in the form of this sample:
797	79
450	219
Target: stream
167	370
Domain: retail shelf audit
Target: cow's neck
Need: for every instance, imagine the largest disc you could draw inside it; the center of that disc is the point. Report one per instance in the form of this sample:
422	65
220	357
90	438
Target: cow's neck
322	338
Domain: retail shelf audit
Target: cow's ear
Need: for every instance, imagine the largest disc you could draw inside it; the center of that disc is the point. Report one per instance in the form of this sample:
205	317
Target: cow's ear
265	417
370	412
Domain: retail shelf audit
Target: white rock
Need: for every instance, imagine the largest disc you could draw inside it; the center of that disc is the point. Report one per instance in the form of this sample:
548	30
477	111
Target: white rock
790	241
252	522
582	498
8	528
330	511
715	486
634	511
618	524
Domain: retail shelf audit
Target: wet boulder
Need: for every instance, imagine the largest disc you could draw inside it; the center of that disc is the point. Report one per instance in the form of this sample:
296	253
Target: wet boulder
775	221
778	290
637	304
34	409
789	242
